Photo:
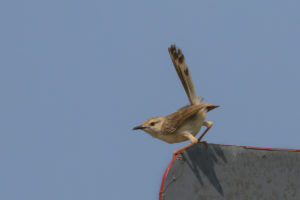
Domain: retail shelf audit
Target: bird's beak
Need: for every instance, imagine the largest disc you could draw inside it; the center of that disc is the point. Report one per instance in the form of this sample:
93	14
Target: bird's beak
139	127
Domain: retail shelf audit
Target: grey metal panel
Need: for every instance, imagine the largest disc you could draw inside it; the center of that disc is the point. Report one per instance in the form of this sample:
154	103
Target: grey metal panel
233	172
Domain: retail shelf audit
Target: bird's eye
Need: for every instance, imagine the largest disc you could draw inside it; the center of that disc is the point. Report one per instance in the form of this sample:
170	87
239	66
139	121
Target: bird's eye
152	123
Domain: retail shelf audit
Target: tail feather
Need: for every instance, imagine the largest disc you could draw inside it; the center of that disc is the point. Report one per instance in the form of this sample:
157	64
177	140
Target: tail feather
211	107
184	74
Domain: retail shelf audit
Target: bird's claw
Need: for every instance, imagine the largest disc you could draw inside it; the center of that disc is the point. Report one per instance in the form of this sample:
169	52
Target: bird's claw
204	142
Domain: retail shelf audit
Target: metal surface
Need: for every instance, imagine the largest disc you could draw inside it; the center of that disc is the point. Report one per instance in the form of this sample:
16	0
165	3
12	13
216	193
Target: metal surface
232	172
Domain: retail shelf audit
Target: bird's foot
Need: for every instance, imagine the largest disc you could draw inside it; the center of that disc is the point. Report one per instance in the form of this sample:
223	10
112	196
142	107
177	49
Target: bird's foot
204	142
180	151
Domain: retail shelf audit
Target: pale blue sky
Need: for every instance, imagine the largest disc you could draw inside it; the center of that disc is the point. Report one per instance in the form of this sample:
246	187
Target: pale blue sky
76	76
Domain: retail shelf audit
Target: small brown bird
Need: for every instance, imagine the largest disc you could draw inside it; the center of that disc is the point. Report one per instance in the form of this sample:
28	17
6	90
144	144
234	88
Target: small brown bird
185	123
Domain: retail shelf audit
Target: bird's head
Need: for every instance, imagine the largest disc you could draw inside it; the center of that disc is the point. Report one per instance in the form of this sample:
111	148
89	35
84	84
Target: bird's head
152	125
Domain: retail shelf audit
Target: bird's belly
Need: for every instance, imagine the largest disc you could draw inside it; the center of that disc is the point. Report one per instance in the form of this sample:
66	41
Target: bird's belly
194	124
174	138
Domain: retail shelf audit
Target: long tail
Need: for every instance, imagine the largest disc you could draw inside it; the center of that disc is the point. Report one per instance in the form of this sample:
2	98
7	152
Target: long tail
184	74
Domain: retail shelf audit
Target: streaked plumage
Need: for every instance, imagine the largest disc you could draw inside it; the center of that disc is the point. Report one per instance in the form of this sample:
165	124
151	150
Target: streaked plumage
186	122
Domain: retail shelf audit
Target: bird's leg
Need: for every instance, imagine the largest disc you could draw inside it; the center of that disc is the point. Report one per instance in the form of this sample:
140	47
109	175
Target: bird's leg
208	125
191	138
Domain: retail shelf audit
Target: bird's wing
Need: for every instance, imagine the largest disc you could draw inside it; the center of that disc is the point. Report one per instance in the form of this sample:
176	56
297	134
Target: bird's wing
174	120
182	70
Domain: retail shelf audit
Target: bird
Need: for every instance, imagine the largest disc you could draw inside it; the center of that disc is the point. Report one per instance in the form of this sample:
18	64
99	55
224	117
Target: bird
186	122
